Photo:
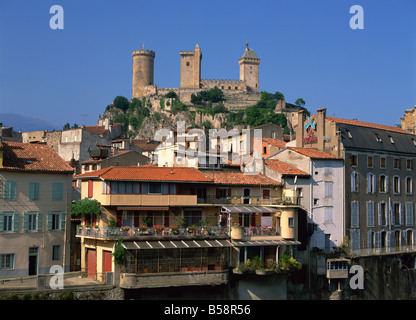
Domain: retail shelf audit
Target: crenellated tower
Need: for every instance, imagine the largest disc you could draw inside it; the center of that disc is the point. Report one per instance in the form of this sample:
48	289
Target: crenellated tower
191	68
143	71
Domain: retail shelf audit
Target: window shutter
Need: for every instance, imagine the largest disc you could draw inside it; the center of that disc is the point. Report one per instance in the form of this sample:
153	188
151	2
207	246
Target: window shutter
374	183
15	227
49	221
166	219
369	239
173	188
387	214
9	190
90	188
240	219
145	188
402	214
352	181
57	191
229	192
404	238
388	242
253	219
62	220
218	193
165	188
387	184
1	221
34	191
119	218
368	183
39	221
25	221
414	236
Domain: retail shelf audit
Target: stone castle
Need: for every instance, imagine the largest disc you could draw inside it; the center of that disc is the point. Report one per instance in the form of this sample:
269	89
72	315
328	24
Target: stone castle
242	92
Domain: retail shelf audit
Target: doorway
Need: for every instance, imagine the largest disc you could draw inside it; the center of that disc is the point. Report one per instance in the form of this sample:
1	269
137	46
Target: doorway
33	261
246	195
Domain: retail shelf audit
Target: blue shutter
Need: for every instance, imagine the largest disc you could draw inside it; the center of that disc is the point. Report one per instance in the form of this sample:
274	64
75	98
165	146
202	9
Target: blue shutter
39	221
62	220
10	190
25	221
57	191
165	188
402	214
49	221
34	191
1	221
15	224
145	188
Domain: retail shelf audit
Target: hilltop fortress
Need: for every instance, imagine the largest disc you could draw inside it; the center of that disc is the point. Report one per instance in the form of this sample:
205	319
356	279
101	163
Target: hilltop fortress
239	93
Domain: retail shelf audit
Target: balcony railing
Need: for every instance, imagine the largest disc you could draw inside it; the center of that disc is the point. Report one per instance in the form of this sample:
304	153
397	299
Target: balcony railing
261	231
133	232
249	200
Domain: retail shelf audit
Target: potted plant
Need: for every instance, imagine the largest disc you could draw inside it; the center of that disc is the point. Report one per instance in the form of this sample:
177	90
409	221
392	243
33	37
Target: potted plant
158	228
143	229
191	229
125	230
204	224
146	221
174	229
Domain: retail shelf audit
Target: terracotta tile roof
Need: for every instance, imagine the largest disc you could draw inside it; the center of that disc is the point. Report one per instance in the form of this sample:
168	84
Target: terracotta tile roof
145	145
314	153
275	142
98	129
32	157
367	124
240	178
284	168
148	174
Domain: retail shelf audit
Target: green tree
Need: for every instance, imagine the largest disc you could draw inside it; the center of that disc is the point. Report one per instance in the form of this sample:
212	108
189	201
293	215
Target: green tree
171	94
66	126
279	96
300	102
121	103
85	206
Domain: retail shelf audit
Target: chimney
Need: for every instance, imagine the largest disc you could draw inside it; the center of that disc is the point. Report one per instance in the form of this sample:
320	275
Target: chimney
300	129
320	130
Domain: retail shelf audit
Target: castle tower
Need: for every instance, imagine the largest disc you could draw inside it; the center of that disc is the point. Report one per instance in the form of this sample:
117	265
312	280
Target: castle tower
191	68
249	69
143	71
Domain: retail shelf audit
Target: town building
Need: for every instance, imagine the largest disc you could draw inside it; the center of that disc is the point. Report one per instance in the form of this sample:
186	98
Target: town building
379	177
35	192
177	224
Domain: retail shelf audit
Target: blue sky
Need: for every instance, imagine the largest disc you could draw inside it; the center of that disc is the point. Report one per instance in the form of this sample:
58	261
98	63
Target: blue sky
307	50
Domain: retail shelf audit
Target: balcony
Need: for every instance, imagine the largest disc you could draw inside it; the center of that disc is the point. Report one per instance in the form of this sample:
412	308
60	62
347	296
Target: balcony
108	233
147	200
250	200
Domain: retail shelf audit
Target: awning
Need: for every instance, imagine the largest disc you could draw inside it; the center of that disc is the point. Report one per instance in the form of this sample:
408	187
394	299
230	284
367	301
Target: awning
249	209
143	208
176	244
251	243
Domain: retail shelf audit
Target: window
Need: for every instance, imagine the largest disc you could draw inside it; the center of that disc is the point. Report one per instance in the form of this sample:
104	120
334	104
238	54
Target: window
328	214
396	184
328	189
31	221
266	194
355	239
378	139
370	161
155	188
397	163
391	139
57	191
355	214
409	213
354	181
409	164
192	217
353	160
9	190
383	162
382	214
7	261
315	201
370	213
56	252
8	221
349	134
187	63
56	220
34	191
396	214
291	222
409	185
371	183
384	183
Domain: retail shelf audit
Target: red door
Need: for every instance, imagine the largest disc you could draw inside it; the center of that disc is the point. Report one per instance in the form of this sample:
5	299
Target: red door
107	263
91	263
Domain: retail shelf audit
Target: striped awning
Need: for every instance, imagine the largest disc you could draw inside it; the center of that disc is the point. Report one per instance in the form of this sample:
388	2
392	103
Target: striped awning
176	244
249	209
251	243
